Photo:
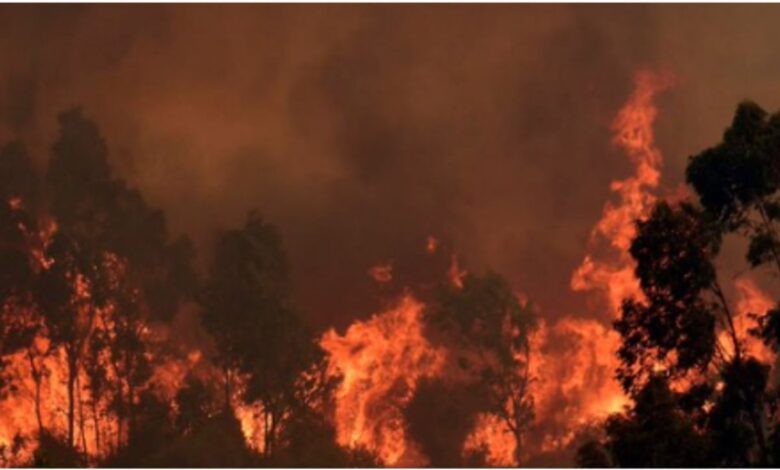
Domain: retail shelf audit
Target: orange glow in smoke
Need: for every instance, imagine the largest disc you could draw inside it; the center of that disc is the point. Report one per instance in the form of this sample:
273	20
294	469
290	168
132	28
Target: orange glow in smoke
382	273
431	244
455	273
751	301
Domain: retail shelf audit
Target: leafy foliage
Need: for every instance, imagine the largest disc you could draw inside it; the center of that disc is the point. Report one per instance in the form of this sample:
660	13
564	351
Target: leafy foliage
725	410
258	335
490	327
673	250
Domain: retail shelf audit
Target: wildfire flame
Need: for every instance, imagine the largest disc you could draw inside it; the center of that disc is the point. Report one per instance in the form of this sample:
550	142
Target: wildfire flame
751	301
455	273
431	244
574	369
633	130
379	361
382	273
576	382
492	436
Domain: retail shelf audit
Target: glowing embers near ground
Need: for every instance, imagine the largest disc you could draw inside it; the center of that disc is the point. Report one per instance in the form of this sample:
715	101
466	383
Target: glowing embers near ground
380	361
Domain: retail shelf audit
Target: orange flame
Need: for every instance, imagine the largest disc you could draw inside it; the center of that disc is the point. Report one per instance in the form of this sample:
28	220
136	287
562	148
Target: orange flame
382	273
751	301
431	244
455	273
633	129
575	384
575	372
491	435
379	361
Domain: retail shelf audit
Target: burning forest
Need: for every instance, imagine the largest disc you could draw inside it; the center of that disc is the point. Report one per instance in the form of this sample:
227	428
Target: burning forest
351	316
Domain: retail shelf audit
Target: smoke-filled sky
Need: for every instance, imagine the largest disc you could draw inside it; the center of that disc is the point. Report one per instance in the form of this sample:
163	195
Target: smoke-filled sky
361	130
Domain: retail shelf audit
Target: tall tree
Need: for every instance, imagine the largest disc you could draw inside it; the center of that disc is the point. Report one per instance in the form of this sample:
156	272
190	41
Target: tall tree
675	323
489	329
19	200
114	266
684	326
655	432
677	330
738	179
260	339
439	418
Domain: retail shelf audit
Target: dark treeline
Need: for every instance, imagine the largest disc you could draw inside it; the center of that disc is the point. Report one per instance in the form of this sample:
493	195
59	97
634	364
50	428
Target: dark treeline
90	267
92	283
699	397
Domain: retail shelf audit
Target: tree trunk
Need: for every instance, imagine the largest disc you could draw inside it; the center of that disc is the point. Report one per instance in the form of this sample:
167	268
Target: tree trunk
81	415
272	432
120	414
71	394
758	427
517	428
96	423
130	408
36	374
227	389
266	432
518	448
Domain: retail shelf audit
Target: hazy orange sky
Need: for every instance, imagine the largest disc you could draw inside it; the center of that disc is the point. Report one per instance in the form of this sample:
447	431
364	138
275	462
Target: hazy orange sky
361	130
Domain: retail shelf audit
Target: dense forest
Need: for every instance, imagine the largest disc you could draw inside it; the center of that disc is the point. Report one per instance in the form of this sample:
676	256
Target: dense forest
93	287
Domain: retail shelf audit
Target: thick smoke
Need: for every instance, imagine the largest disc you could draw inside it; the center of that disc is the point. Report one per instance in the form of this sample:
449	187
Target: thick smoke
361	130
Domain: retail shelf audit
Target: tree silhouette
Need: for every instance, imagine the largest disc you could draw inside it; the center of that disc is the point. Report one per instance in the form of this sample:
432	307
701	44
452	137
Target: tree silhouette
440	416
115	268
673	333
737	180
655	432
259	337
98	284
489	328
683	330
675	324
737	419
19	200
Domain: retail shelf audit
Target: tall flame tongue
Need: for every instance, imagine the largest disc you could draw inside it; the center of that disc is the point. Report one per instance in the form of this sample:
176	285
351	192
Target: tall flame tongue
633	127
576	357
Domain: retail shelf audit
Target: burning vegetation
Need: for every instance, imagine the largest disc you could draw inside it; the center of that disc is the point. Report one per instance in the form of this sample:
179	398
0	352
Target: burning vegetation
97	369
